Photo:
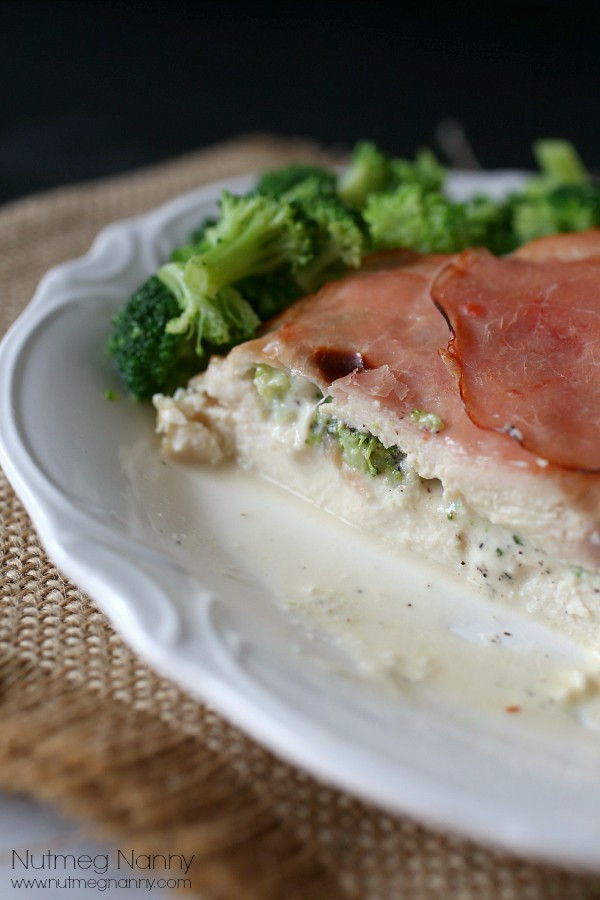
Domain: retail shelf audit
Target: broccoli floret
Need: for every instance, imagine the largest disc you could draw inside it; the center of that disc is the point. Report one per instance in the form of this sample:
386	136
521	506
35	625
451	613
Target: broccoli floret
261	254
254	235
369	172
568	208
219	320
418	219
261	244
562	198
269	294
411	218
373	172
559	163
407	208
340	239
425	171
283	182
489	224
149	359
338	234
311	190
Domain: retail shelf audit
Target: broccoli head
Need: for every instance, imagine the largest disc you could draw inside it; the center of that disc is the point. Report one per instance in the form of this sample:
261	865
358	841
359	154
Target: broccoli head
411	218
255	235
559	164
570	207
286	180
371	171
148	358
425	171
562	197
270	293
417	218
340	239
368	173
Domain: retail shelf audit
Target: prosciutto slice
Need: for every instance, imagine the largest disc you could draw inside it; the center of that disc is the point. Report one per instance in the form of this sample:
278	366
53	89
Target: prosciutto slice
370	341
525	344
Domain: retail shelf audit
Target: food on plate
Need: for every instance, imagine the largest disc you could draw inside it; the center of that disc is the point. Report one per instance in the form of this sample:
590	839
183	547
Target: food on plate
352	398
302	226
435	385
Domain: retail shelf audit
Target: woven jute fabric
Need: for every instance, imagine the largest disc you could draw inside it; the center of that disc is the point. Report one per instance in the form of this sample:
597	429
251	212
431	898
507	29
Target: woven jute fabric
88	726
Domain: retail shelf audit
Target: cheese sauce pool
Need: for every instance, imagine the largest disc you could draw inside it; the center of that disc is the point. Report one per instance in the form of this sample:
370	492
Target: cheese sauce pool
402	624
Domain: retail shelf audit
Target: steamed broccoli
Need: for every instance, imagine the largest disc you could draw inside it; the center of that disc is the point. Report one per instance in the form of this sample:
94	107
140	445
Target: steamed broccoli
559	164
260	254
425	171
338	234
411	218
368	173
147	357
263	252
268	294
340	239
567	208
425	221
254	235
489	224
371	171
414	213
561	198
403	205
284	181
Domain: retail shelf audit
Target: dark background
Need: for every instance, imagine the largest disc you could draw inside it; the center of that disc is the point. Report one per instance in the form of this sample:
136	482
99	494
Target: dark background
93	87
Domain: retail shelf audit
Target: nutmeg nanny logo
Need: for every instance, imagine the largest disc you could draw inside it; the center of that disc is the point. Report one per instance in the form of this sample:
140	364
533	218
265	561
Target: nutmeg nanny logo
100	872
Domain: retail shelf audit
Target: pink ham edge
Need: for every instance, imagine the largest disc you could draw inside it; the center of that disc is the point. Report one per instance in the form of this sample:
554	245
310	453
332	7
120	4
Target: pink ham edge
562	247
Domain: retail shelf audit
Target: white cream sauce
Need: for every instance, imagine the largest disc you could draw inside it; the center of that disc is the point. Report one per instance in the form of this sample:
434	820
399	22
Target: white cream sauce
402	624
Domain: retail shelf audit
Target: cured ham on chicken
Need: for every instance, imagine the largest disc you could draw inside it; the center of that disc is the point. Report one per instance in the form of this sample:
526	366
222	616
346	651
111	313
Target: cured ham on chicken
526	347
362	374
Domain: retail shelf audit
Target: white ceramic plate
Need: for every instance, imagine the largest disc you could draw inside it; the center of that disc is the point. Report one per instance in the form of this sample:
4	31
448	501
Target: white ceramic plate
88	472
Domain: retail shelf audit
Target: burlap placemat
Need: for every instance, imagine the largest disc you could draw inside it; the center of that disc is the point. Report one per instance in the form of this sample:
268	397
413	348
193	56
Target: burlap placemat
89	726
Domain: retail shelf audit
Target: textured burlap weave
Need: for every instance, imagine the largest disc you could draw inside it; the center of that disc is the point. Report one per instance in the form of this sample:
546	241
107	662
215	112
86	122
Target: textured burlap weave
87	725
